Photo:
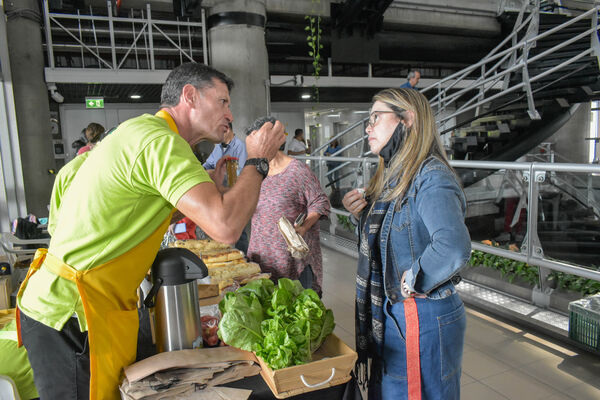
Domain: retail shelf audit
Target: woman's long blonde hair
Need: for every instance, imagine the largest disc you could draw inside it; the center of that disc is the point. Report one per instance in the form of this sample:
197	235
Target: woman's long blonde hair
421	141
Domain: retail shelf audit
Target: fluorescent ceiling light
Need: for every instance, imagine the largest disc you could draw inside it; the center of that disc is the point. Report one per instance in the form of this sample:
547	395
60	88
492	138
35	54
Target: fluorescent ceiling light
306	96
361	112
135	96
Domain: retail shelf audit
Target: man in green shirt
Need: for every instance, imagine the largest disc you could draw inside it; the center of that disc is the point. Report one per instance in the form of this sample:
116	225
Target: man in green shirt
118	198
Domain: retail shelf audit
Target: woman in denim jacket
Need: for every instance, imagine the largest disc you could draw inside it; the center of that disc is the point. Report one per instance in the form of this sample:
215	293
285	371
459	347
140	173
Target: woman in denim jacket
410	322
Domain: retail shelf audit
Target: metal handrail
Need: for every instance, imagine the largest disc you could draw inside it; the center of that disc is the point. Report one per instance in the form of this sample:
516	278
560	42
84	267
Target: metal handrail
531	251
490	77
529	41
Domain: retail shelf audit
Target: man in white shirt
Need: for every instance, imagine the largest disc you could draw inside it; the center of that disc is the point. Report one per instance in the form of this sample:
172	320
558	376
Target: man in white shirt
297	146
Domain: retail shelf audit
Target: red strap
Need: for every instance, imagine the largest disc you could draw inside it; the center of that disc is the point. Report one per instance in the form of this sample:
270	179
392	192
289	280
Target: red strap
413	359
19	338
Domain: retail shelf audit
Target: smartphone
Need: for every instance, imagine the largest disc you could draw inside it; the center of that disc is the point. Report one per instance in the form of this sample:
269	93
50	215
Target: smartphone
300	218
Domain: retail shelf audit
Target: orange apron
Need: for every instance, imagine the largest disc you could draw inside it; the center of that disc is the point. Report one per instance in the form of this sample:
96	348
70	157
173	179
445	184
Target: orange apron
109	297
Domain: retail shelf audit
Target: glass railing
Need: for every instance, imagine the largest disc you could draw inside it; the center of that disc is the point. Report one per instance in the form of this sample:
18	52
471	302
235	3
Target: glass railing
542	214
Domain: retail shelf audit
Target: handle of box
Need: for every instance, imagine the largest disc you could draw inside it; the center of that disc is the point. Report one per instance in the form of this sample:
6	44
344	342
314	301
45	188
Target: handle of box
326	381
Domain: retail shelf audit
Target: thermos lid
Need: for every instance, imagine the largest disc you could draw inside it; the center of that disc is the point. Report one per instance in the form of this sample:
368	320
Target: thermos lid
176	266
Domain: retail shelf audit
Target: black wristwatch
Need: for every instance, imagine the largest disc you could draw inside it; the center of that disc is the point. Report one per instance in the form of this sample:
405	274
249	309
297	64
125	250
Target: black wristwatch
262	165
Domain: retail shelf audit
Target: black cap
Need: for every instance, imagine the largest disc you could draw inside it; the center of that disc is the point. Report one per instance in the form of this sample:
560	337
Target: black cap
176	266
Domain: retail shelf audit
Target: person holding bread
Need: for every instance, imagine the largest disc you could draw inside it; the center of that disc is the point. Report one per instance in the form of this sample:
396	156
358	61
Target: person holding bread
289	189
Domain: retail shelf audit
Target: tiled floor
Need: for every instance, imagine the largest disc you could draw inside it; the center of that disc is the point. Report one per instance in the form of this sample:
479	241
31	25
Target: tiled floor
500	361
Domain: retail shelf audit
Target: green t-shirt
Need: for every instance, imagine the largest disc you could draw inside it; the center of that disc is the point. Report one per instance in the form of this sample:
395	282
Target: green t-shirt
121	193
61	184
15	364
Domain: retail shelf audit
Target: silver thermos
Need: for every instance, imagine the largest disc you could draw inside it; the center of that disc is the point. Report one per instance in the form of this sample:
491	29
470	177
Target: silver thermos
174	296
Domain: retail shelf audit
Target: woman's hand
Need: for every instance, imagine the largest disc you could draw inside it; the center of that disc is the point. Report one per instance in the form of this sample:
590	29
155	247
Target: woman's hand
301	230
354	202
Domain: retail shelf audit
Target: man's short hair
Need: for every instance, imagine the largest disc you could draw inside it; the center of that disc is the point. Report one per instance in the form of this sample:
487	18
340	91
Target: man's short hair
196	74
298	132
411	74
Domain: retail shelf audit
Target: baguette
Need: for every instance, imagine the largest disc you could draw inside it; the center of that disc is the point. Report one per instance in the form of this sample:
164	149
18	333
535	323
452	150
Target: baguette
235	271
216	256
200	245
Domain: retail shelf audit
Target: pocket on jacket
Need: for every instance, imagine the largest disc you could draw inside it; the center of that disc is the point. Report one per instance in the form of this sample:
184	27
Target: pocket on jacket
452	328
401	217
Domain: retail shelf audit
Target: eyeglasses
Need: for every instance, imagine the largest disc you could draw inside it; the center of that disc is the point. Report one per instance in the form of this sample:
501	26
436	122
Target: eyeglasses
374	117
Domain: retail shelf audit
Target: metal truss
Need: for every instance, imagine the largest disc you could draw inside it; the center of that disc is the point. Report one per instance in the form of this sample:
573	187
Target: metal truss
135	37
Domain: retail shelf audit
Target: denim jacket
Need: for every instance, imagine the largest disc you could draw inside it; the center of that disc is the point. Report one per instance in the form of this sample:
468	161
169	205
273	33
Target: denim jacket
424	232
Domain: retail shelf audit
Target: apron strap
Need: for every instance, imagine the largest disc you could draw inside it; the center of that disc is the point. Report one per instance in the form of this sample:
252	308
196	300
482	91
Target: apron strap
61	269
38	259
413	359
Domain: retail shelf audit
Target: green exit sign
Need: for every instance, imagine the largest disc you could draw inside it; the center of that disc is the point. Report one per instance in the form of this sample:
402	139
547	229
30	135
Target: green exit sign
94	102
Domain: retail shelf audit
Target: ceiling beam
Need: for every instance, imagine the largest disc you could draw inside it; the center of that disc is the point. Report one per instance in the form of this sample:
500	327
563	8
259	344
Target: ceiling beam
83	75
366	82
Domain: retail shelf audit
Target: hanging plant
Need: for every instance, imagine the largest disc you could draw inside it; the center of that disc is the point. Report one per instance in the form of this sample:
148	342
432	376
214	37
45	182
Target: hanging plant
313	39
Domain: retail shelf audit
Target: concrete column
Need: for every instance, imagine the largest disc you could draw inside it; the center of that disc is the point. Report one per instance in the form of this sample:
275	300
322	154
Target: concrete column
569	141
24	36
237	48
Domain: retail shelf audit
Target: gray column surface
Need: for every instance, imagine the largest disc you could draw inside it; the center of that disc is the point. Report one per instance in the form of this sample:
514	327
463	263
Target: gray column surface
24	36
238	49
569	141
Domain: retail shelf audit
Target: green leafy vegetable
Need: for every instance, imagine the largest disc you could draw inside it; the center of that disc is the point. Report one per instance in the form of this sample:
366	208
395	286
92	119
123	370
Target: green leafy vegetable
283	324
240	324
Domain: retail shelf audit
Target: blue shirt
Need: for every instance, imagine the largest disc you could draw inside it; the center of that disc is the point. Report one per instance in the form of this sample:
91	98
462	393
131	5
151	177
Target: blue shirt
329	152
406	85
235	148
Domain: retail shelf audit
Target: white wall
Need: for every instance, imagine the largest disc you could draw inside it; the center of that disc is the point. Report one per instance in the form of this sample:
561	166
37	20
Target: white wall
75	117
292	120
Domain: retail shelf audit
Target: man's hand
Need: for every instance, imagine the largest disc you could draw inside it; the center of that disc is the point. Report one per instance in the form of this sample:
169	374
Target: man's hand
218	174
354	202
265	142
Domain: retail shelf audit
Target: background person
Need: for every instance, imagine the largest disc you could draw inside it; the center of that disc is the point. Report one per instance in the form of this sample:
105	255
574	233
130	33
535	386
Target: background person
290	189
412	242
13	359
109	230
232	147
412	79
333	148
297	145
93	133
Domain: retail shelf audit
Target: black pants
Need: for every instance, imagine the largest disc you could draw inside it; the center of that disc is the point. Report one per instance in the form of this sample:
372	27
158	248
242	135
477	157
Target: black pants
60	359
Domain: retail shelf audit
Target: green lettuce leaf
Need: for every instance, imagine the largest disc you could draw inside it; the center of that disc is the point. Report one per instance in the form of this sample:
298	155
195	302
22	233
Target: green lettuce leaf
240	323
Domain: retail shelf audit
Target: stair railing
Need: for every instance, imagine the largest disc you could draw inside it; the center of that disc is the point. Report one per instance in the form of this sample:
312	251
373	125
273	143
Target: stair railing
505	62
490	78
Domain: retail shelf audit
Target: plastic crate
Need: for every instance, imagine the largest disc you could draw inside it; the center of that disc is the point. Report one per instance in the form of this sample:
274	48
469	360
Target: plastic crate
584	322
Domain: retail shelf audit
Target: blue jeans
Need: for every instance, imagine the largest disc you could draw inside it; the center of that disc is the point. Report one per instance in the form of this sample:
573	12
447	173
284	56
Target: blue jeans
442	325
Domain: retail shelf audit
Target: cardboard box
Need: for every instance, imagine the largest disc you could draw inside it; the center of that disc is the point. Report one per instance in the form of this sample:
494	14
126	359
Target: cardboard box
5	292
211	300
207	290
331	366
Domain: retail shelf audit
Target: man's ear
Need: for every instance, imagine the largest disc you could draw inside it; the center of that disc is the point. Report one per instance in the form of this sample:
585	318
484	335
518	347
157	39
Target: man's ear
188	94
